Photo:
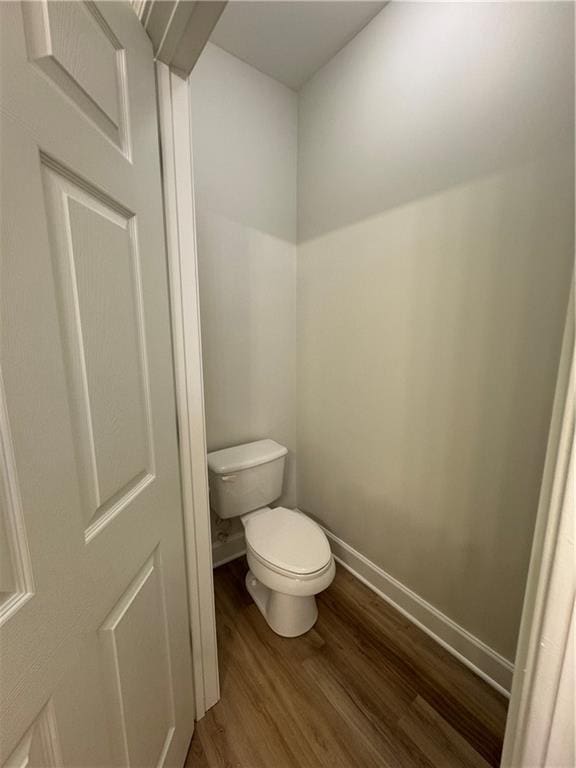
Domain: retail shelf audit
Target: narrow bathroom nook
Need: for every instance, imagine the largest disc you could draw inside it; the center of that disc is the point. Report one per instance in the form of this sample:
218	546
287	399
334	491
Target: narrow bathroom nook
287	384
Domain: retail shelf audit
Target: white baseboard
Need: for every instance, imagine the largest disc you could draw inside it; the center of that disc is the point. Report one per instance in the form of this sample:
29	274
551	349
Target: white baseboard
479	657
225	551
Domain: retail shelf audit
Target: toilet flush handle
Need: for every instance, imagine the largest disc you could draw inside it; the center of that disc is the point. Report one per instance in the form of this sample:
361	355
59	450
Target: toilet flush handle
228	478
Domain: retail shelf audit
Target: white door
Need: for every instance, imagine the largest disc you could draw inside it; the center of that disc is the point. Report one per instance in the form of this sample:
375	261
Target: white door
95	665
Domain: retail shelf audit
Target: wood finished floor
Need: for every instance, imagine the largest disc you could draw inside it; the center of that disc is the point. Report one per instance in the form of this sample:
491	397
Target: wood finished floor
364	688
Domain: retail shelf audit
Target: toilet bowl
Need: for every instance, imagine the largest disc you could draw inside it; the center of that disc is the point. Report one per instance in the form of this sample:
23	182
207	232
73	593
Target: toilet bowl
288	554
290	562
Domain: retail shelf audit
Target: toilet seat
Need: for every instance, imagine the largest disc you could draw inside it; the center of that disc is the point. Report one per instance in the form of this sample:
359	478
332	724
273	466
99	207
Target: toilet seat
286	573
287	542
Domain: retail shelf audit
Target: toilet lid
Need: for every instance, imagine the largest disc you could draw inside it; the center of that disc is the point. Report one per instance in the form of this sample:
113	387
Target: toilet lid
287	539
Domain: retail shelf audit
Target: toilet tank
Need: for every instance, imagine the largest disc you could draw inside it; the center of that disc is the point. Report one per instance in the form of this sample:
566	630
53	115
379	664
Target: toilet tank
245	477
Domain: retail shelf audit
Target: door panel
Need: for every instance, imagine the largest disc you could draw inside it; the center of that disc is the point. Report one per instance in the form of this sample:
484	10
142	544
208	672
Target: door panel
76	48
134	634
39	747
97	268
94	632
16	582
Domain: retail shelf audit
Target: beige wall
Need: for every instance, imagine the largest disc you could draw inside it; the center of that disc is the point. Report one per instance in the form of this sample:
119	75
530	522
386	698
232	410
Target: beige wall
245	129
436	245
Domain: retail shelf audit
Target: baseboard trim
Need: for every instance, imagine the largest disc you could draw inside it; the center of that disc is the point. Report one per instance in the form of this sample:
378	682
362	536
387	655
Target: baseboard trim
496	670
225	551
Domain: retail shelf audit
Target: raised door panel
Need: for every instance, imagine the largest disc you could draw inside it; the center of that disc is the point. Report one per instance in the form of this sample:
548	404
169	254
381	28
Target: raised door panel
40	745
8	585
16	581
97	273
138	669
75	47
84	721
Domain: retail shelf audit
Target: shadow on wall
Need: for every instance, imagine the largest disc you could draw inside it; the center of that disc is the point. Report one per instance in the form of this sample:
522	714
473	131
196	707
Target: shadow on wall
436	221
440	325
248	313
245	131
245	127
429	96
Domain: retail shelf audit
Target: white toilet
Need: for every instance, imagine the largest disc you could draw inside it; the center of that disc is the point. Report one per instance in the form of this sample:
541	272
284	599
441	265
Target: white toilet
288	553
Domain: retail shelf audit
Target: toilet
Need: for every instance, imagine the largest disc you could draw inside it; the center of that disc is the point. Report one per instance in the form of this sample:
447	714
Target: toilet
288	554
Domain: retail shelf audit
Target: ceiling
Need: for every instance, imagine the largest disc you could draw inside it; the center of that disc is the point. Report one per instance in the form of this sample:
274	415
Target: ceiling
287	40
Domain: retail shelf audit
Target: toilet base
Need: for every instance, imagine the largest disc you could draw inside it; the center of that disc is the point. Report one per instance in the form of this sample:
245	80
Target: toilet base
287	615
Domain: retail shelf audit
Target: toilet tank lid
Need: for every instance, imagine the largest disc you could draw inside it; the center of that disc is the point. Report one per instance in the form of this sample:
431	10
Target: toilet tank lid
244	456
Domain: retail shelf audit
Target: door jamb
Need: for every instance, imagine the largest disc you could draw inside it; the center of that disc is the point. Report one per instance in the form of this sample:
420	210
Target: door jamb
538	704
177	179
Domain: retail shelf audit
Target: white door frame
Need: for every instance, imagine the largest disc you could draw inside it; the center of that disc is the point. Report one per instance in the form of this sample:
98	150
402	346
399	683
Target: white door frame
176	150
540	725
178	29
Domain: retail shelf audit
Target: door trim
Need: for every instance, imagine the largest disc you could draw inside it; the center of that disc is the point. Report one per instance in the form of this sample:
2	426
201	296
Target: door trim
179	29
545	641
176	151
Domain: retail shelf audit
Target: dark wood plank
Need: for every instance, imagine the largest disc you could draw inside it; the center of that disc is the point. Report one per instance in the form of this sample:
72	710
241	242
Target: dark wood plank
437	739
364	687
464	700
